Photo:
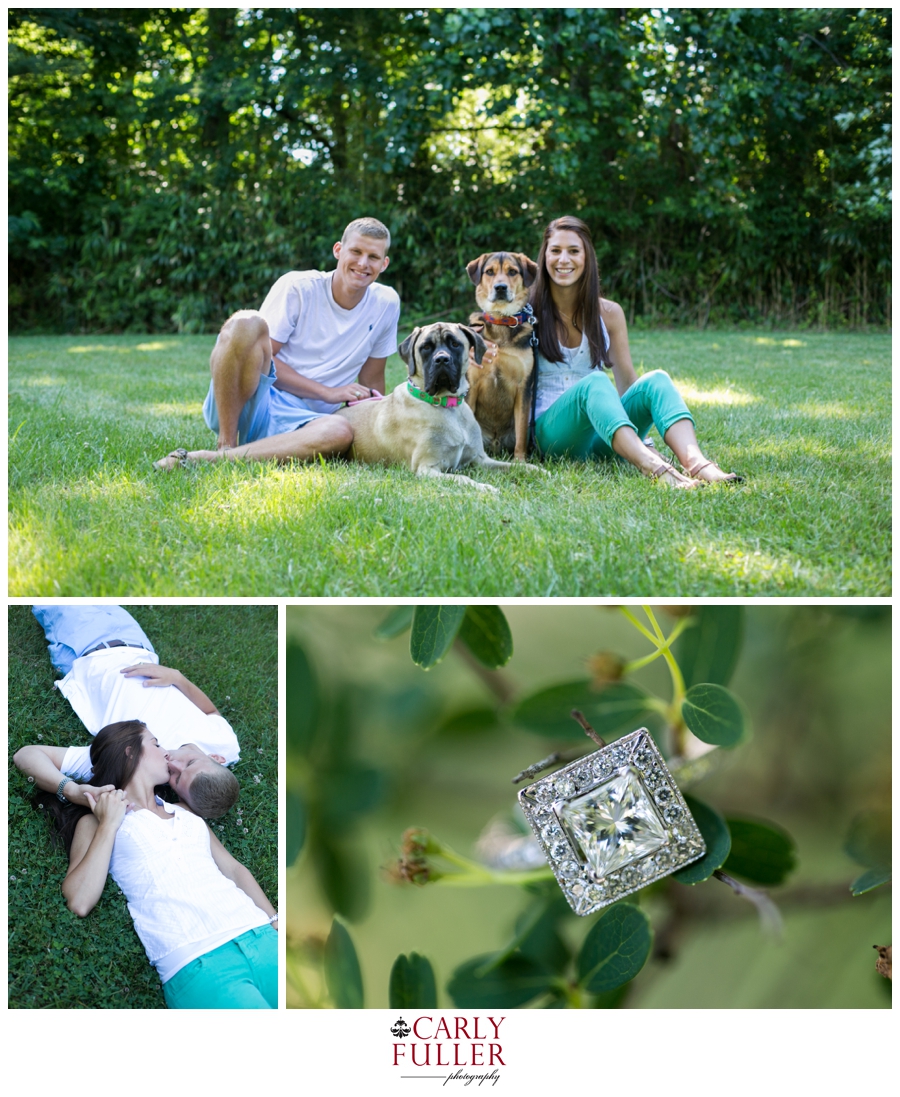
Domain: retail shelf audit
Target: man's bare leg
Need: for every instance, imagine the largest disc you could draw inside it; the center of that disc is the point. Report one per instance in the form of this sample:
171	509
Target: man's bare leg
329	435
240	357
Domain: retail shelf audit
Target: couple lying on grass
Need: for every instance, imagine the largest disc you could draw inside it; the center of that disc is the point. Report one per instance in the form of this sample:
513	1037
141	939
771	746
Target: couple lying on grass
205	924
321	340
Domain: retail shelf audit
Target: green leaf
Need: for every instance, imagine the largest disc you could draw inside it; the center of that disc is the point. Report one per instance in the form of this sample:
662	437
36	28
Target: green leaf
470	721
547	712
615	950
343	874
713	715
342	975
870	879
718	843
434	629
760	852
396	622
868	839
708	651
295	826
485	632
513	983
539	938
302	699
348	792
412	983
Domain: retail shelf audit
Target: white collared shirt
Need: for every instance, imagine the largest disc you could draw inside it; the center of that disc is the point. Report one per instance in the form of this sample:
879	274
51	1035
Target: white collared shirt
181	903
101	695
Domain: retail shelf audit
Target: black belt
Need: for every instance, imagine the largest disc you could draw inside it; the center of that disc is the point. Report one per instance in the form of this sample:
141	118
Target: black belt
112	644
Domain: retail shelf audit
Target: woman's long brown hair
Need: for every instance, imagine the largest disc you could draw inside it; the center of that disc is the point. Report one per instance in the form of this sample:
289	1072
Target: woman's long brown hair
115	754
586	315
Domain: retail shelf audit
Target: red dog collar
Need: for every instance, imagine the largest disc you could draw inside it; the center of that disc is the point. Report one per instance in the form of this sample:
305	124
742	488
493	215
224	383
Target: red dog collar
520	318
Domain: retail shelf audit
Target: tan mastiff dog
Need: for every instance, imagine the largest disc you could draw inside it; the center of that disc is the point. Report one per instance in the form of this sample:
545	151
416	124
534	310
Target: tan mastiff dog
425	422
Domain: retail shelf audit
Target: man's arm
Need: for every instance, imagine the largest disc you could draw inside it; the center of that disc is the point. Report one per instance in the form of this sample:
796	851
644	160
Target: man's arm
372	374
289	380
166	676
42	763
242	876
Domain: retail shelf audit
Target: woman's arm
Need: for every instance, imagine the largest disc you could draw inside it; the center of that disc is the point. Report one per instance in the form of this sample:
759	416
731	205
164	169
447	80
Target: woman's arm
619	352
91	850
42	763
243	877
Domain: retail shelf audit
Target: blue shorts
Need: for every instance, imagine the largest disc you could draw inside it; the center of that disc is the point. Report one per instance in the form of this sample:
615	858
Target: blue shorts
268	411
241	974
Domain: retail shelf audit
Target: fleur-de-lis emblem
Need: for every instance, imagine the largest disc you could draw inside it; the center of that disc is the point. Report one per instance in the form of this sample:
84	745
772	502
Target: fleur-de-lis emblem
401	1028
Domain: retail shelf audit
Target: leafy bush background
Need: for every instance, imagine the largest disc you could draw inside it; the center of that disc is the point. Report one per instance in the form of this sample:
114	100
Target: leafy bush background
166	165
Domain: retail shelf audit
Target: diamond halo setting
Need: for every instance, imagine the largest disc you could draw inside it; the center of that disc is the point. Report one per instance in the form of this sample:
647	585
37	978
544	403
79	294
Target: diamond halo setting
612	822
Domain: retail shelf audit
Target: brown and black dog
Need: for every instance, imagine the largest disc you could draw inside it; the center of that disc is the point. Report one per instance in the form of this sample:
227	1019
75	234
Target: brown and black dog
499	392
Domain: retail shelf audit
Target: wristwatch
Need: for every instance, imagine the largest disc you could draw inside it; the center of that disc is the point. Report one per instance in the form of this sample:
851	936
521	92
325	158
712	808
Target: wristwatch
59	791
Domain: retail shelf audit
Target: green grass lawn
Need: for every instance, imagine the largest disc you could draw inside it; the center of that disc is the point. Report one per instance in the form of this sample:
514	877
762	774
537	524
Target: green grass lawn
57	960
806	417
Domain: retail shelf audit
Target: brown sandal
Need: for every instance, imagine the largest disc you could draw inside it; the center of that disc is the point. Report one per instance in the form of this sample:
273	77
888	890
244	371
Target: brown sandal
728	478
663	467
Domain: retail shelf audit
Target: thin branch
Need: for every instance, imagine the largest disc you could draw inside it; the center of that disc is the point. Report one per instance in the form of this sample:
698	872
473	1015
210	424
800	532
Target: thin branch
579	717
546	763
769	914
822	46
496	682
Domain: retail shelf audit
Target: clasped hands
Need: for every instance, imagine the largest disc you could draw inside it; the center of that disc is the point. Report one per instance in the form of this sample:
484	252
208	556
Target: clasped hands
109	805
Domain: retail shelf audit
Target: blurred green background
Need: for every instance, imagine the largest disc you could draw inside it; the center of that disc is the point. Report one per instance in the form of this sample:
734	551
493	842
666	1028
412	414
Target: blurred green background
815	682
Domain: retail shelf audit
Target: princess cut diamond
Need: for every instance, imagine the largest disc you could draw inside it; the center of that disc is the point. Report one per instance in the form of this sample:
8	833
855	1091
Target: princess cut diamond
615	823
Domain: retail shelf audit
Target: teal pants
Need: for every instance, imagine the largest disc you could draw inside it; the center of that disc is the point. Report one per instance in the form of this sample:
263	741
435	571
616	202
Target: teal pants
241	974
582	422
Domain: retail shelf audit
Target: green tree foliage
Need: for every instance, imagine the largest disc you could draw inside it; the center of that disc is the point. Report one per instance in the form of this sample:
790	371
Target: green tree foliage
166	165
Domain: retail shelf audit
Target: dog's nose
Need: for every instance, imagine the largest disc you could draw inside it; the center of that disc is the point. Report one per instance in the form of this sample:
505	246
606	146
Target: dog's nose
501	290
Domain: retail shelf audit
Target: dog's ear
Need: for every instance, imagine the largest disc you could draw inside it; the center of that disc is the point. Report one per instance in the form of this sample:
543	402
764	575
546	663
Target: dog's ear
475	340
475	268
529	268
408	350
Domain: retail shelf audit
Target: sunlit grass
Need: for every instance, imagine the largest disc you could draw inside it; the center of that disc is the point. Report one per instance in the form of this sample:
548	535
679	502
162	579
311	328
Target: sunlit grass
808	425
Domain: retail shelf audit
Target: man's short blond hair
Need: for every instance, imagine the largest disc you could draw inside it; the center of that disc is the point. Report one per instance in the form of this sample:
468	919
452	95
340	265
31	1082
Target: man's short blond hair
369	226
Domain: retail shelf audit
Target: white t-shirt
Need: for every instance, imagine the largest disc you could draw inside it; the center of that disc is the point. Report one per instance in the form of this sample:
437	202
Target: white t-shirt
182	904
101	695
323	341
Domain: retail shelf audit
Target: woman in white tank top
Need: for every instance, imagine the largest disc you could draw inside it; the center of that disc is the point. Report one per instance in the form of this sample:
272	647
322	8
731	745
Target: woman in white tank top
204	922
577	409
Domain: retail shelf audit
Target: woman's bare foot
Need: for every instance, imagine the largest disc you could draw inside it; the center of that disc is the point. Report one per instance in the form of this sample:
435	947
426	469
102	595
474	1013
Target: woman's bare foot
710	472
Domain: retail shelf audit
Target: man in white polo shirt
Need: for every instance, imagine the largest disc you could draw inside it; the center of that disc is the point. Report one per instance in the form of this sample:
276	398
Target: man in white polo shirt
319	340
113	674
